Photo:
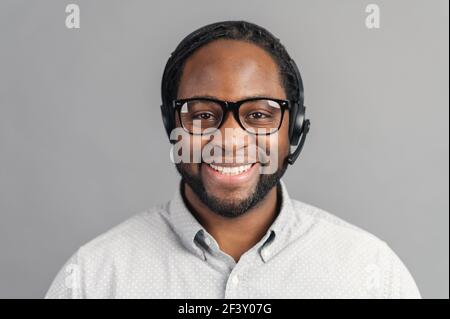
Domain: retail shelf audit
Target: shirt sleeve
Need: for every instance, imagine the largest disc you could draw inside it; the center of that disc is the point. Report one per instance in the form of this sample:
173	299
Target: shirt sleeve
400	284
67	283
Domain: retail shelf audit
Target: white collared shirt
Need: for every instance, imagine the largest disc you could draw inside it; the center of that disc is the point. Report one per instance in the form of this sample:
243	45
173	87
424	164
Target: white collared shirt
165	253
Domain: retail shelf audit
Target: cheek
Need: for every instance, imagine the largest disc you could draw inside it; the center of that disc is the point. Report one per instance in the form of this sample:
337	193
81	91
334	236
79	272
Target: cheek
276	146
282	140
193	146
283	137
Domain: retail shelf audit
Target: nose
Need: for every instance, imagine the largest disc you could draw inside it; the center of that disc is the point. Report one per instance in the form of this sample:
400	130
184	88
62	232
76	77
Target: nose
235	140
230	122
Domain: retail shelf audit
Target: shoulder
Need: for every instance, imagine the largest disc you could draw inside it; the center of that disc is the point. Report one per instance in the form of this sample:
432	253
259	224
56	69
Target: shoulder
147	232
355	250
146	225
141	238
331	228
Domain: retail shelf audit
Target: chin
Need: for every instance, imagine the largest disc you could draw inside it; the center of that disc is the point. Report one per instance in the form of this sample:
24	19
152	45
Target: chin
232	195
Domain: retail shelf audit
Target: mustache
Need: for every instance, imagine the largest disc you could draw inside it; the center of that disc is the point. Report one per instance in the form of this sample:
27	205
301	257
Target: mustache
217	154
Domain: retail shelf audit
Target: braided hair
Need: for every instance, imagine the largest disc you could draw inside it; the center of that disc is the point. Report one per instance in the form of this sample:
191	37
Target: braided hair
233	30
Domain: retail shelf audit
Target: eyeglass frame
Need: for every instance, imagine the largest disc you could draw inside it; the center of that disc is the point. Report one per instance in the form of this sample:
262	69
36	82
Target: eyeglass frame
233	107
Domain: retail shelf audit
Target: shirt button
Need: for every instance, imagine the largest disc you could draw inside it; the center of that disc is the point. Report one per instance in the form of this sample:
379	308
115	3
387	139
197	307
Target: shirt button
265	253
235	280
207	241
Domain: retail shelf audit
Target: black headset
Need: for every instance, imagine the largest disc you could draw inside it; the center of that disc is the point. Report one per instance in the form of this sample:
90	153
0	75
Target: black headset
298	127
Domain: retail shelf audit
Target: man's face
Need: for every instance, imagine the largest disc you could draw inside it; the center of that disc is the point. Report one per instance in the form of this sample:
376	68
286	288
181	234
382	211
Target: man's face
233	70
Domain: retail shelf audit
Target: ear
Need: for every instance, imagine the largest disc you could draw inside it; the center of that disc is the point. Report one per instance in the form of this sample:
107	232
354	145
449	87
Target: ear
166	120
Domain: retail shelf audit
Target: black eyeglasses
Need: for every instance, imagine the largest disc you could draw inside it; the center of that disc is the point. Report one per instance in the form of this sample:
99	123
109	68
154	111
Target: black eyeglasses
259	115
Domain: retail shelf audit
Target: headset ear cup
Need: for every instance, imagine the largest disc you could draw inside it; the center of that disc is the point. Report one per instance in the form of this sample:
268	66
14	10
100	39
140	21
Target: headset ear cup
297	124
292	116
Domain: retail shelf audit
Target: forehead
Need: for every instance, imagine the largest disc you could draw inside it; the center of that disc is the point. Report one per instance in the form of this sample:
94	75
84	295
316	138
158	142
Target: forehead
230	70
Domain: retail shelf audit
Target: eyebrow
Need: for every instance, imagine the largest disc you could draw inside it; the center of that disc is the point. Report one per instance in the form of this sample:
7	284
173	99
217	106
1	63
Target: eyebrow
207	96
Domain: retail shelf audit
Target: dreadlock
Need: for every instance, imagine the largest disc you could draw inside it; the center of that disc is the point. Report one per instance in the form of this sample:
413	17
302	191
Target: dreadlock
233	30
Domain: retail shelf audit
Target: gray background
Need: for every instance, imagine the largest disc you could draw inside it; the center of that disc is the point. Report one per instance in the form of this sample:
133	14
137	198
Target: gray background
82	146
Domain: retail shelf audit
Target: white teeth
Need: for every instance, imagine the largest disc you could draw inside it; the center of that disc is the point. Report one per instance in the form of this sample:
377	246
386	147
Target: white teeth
231	170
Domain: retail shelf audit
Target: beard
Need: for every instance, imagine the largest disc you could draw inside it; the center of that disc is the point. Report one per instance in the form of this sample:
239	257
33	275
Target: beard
228	208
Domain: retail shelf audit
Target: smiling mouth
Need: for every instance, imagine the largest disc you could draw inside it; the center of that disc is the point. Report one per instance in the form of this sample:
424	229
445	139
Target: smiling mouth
231	170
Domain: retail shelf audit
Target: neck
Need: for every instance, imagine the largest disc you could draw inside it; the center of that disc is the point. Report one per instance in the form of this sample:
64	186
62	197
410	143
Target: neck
235	235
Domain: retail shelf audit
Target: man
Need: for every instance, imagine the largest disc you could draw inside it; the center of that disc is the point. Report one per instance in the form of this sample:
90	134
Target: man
231	230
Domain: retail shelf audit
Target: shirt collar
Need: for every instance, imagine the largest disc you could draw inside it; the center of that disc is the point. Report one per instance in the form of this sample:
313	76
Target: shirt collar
188	228
283	220
281	229
184	223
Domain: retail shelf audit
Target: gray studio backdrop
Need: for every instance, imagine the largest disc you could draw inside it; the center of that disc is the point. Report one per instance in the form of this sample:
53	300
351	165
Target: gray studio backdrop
82	145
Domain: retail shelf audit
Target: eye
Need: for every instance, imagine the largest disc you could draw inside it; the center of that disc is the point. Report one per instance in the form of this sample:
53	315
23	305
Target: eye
258	115
203	116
